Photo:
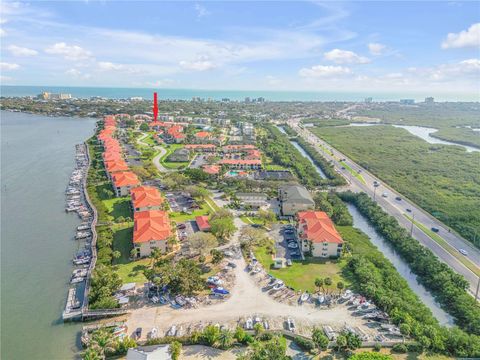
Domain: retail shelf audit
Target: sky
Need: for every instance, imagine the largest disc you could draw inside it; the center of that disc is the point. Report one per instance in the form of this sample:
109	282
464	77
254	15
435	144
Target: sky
247	45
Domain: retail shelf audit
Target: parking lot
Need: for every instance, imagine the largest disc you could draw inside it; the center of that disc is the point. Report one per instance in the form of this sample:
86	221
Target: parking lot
133	156
181	201
286	242
198	161
186	229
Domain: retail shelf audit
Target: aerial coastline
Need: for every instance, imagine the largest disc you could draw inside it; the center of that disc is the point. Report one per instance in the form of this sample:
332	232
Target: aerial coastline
140	142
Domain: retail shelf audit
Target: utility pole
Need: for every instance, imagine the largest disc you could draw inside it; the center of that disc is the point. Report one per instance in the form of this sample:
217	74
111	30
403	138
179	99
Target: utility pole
478	287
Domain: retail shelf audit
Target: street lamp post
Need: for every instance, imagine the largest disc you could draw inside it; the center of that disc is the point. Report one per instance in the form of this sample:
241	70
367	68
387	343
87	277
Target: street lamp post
411	227
478	287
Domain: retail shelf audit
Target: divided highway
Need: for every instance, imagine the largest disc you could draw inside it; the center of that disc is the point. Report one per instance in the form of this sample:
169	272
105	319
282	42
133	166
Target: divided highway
387	198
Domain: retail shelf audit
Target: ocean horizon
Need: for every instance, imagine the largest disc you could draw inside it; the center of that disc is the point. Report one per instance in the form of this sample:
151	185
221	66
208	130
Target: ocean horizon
233	95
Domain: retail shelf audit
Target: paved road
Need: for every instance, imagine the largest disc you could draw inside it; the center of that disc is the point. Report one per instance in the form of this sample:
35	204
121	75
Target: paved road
398	209
156	159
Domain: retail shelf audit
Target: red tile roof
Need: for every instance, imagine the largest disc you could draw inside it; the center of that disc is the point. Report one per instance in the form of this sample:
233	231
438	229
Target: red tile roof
254	154
317	227
111	155
203	134
151	225
146	196
240	162
200	146
116	165
125	178
202	223
211	169
239	147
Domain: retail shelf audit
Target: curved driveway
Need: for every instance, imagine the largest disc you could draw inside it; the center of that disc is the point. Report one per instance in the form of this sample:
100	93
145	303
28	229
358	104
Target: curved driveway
156	159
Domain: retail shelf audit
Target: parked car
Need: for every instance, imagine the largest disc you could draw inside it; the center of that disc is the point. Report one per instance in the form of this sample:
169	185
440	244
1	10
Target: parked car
289	262
384	195
409	210
181	226
294	253
293	245
138	333
435	230
398	198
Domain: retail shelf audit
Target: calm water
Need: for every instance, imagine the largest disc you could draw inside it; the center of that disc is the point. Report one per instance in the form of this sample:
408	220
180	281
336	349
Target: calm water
424	133
305	154
187	94
37	235
360	222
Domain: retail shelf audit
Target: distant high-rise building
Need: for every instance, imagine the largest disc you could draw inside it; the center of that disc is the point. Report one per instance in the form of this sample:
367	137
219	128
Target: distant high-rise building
407	101
261	99
368	100
247	99
51	96
429	100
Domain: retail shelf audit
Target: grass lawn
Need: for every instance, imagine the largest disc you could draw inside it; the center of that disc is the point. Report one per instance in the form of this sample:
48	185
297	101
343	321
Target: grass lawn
465	261
302	274
275	167
353	172
133	271
122	241
211	204
251	220
172	165
117	207
180	217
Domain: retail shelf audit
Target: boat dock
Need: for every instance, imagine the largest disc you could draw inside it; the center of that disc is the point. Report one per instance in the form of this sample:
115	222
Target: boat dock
73	308
84	259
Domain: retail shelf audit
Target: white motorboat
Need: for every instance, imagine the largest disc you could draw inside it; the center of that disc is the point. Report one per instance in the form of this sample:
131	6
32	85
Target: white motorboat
154	333
290	325
305	296
172	331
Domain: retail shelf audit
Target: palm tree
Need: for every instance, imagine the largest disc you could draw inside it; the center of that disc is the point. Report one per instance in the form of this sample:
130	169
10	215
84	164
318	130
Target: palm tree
340	287
91	354
328	281
225	339
103	341
319	283
156	255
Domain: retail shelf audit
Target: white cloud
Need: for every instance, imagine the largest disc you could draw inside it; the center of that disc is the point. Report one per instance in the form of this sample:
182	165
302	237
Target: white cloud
345	57
197	65
201	10
69	52
21	51
77	74
324	71
463	39
376	48
8	66
108	66
468	69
